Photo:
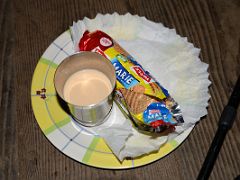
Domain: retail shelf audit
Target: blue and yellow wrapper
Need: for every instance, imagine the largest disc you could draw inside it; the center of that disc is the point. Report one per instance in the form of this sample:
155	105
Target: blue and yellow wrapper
139	95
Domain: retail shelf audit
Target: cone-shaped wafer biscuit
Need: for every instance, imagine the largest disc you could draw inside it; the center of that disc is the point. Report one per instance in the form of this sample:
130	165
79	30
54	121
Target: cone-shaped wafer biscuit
137	102
138	89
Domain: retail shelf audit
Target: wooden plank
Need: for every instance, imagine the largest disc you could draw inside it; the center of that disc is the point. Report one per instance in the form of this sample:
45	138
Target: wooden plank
8	145
212	25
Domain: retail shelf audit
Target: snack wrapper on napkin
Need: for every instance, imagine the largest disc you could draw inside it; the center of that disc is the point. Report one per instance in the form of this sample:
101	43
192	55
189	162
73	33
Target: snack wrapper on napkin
138	94
171	60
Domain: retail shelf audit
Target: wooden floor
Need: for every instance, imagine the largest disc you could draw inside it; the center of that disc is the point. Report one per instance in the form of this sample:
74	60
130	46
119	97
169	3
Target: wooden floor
28	27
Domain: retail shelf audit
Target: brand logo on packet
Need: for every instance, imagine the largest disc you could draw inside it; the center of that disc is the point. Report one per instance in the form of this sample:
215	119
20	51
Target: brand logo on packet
157	111
105	42
154	111
123	76
142	73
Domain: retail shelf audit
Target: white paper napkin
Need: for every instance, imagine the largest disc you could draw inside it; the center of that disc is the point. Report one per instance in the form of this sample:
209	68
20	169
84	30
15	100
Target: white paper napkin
171	59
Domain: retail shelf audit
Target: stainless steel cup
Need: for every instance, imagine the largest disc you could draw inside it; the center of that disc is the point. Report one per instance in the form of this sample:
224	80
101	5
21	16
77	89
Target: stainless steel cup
93	114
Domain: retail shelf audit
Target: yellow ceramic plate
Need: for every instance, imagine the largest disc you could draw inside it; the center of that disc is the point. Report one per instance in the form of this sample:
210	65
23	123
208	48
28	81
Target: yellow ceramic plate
72	139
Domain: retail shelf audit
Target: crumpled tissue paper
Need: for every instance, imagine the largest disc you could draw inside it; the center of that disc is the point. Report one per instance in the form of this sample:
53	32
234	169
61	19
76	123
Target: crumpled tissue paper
171	59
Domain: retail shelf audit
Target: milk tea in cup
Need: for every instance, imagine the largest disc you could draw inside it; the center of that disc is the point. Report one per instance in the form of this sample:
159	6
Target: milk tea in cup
85	82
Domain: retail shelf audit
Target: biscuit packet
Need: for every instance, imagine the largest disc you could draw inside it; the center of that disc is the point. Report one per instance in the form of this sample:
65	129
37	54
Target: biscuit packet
138	94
